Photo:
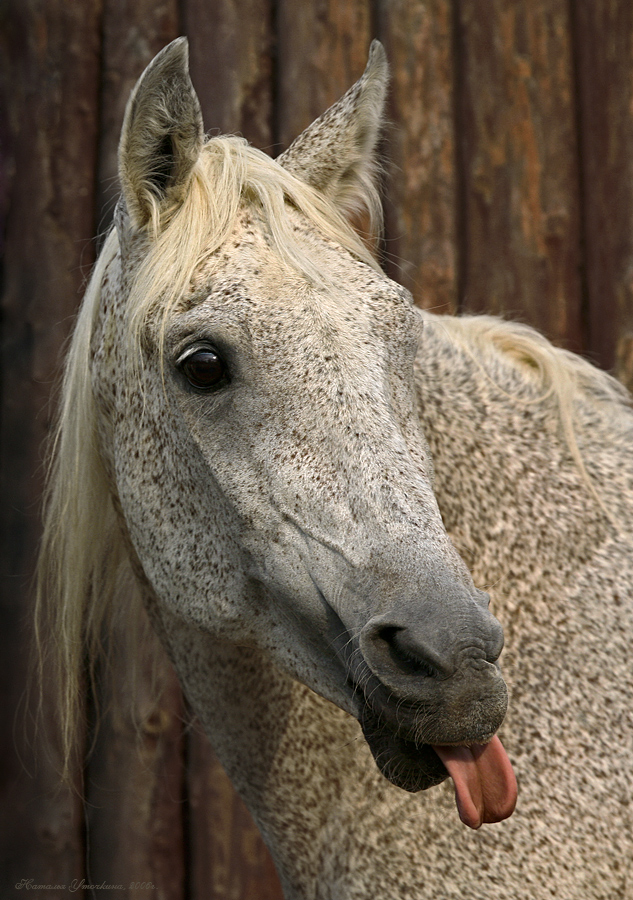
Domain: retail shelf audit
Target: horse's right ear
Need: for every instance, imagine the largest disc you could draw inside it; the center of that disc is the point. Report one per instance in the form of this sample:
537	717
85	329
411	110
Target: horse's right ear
162	136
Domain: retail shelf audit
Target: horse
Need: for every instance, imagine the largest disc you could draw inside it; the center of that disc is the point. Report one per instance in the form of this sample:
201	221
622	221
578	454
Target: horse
320	494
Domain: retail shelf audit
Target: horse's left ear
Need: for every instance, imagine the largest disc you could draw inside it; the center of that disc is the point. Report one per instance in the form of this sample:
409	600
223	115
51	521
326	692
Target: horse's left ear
337	153
162	135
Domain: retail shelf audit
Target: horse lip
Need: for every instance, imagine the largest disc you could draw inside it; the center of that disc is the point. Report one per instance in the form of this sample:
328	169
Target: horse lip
406	758
407	764
403	717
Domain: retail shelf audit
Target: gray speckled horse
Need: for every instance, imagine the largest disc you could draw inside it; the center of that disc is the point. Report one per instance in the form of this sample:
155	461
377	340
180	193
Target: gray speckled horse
306	478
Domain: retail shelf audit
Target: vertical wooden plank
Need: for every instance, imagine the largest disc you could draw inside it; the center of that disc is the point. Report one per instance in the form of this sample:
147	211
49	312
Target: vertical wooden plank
231	66
624	360
229	860
132	35
321	51
135	779
519	163
604	54
421	191
49	56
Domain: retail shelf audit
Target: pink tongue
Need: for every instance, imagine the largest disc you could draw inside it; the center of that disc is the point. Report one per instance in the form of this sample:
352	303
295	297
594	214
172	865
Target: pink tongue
485	786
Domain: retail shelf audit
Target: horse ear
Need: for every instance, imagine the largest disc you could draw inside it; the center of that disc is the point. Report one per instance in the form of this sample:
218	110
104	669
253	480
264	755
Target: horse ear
162	135
337	153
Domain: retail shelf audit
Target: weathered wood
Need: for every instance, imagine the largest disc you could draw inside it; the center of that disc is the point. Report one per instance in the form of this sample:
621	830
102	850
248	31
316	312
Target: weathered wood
624	360
321	50
604	37
49	57
134	787
228	858
231	66
132	35
420	225
518	164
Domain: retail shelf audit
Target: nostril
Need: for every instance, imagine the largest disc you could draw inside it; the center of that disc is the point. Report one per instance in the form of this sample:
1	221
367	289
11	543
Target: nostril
404	653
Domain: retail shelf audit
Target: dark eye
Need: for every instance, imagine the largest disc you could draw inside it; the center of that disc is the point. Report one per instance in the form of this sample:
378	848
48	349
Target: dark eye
204	369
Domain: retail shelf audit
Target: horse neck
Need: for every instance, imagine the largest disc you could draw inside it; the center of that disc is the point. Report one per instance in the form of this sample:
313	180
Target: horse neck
296	760
510	493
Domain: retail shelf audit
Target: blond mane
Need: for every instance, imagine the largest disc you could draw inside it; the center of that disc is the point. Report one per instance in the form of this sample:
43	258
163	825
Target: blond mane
558	376
564	373
81	550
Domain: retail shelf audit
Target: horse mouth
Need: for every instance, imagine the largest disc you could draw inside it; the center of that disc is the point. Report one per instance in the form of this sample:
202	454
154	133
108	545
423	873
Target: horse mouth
414	729
405	763
407	737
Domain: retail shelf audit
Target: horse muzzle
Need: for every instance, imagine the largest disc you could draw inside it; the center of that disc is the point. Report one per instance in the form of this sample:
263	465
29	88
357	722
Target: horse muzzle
427	677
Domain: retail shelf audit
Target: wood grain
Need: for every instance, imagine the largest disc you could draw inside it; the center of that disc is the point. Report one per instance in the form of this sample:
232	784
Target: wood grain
519	203
321	51
421	232
231	65
49	79
134	786
604	38
228	858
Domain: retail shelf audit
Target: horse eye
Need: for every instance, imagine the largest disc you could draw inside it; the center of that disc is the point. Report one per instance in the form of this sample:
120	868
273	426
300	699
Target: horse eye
204	369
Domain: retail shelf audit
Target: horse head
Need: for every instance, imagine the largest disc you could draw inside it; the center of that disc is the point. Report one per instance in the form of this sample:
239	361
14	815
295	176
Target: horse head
253	371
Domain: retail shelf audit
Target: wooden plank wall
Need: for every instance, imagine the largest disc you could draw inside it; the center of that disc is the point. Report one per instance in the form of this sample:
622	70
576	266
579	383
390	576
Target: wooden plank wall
508	189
